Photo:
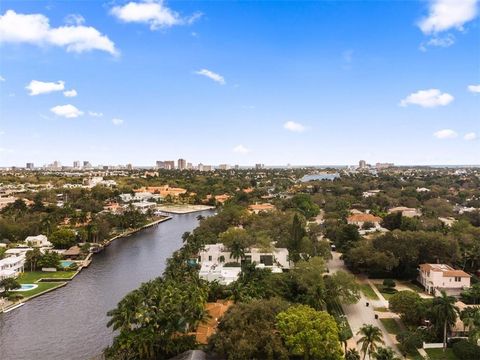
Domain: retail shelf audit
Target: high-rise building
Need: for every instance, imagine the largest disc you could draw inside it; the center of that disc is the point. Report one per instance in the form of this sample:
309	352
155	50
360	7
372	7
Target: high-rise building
76	164
86	164
160	164
223	167
362	164
30	166
182	164
189	166
129	167
259	166
169	164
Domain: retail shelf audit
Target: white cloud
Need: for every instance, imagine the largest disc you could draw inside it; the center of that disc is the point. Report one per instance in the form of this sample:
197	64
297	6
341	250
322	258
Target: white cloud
470	136
211	75
439	41
474	88
95	114
35	29
445	134
74	19
294	126
39	87
67	111
2	132
151	12
448	14
70	93
427	98
240	149
117	121
2	78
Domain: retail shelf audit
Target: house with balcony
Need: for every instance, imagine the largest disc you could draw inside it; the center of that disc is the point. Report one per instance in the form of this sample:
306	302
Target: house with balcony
441	277
11	266
216	262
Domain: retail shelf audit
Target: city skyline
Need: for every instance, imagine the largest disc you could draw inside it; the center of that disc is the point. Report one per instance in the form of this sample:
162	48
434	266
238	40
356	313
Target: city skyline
323	83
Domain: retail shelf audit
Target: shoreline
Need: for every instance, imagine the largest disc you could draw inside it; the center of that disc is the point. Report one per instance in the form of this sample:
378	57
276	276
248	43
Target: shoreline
184	208
86	262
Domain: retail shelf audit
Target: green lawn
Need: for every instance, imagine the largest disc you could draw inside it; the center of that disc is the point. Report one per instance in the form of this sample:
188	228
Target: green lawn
414	287
391	325
42	286
387	296
30	277
368	292
438	354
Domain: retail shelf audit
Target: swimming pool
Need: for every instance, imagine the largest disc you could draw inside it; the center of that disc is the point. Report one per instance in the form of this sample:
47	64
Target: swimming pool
66	263
27	287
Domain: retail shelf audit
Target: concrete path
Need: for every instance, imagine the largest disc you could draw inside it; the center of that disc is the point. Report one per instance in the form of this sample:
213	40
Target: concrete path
359	314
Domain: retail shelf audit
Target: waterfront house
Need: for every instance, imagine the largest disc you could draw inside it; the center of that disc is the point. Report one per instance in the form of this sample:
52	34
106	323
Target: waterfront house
72	253
38	241
11	266
216	262
441	277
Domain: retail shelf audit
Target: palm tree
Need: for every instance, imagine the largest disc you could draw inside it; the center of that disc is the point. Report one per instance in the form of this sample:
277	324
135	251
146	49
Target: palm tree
237	250
471	318
445	311
352	354
371	336
385	354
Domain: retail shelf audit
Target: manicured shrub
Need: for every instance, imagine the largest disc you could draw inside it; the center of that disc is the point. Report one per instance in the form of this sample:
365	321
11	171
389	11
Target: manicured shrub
466	350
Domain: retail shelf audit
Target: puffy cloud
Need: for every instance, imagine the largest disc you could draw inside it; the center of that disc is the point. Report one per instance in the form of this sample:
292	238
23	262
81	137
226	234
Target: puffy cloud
474	88
427	98
211	75
294	126
39	87
151	12
35	29
445	134
2	78
95	114
70	93
240	149
67	111
117	121
448	14
470	136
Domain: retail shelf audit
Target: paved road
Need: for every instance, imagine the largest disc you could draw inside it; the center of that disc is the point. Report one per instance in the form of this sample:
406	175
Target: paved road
359	314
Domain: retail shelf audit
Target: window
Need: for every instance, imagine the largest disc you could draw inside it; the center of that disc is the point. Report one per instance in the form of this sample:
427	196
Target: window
209	257
458	279
266	259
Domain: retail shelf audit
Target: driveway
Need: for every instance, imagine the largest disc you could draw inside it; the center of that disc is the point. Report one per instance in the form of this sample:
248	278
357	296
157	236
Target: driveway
359	314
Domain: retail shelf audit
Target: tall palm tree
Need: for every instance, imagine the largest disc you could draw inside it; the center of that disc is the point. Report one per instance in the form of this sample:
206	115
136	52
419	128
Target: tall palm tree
445	312
237	250
385	354
371	337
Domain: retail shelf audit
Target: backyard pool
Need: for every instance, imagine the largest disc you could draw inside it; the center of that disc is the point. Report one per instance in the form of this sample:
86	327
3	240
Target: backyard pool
27	287
66	263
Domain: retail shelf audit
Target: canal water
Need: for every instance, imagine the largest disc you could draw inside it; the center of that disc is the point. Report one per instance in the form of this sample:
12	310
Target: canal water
70	323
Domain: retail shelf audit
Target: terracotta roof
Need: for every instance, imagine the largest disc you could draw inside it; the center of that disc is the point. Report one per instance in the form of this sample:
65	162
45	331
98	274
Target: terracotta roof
447	270
364	218
261	207
208	327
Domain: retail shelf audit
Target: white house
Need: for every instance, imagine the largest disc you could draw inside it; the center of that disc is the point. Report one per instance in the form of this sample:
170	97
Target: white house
139	196
38	241
406	211
11	266
214	257
438	277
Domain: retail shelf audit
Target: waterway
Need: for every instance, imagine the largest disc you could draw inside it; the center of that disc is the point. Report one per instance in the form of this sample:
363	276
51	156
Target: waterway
70	323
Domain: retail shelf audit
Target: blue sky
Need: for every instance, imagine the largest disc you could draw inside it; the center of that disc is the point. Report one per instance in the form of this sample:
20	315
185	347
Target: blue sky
325	82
